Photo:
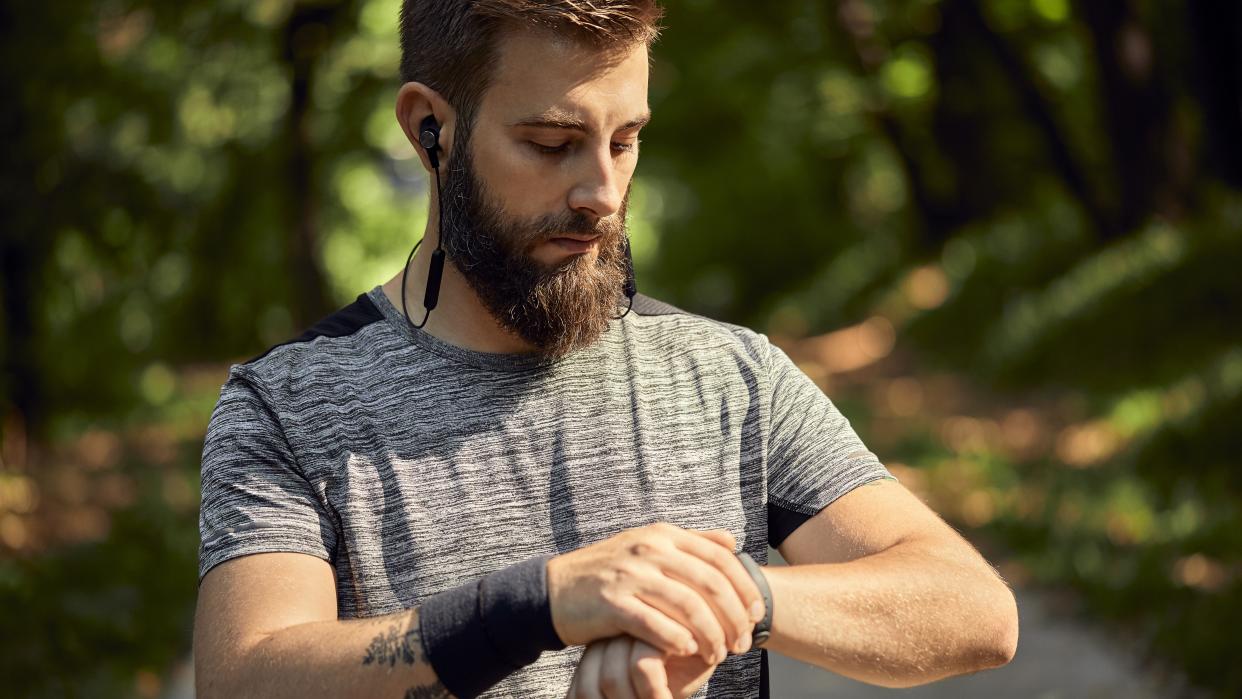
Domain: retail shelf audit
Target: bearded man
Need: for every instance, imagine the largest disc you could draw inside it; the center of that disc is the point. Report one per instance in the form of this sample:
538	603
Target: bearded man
538	484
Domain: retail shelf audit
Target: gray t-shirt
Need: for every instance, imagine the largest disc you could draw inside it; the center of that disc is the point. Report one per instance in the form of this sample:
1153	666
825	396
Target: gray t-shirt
412	465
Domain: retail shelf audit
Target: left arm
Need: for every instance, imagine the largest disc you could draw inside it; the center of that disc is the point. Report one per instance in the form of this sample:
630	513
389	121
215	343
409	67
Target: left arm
882	590
879	589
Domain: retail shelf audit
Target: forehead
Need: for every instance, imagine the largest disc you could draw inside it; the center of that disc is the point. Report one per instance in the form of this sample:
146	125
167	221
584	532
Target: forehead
540	73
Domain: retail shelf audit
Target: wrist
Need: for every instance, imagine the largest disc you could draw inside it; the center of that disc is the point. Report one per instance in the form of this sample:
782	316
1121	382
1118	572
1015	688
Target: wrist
516	610
476	634
554	585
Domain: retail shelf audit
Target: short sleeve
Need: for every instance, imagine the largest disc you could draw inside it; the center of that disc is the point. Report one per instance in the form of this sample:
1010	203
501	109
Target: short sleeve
814	455
255	499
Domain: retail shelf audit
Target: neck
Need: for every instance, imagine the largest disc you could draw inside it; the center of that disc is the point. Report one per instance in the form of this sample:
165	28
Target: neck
459	318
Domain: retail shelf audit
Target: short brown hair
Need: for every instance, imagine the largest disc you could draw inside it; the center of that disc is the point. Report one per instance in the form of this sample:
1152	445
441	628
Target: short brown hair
450	45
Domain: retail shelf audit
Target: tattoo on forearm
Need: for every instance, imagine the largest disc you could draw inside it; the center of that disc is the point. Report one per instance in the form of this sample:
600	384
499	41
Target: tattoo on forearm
389	647
393	645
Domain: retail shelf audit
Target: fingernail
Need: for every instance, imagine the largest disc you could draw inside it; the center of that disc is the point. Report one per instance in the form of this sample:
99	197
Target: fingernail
721	654
757	611
743	644
690	648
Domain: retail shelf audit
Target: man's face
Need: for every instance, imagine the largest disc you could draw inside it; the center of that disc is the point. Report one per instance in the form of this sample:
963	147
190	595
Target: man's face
534	198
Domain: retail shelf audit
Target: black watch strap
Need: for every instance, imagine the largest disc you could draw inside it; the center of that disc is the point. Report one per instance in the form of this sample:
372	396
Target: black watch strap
763	628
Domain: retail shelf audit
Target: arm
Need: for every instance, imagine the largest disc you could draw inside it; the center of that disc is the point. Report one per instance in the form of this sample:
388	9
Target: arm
882	590
266	625
879	587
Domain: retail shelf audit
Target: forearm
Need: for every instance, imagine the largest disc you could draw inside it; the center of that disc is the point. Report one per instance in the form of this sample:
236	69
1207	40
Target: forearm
898	618
377	657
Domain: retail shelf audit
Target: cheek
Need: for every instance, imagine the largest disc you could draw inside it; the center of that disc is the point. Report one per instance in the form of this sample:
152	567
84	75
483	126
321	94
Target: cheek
527	186
625	171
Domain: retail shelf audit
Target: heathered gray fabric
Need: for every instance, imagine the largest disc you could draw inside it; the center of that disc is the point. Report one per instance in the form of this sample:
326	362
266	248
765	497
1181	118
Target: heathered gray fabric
412	465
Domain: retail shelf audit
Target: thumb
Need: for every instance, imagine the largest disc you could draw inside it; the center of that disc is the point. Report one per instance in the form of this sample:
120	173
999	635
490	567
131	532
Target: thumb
649	672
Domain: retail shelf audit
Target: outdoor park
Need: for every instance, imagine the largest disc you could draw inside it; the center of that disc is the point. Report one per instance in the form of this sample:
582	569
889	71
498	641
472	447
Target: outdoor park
1002	235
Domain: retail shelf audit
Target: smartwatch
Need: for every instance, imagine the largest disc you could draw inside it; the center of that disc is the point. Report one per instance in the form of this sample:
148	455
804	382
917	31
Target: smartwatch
763	627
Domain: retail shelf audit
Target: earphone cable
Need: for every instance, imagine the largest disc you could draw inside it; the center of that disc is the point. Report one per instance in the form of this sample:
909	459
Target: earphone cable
439	247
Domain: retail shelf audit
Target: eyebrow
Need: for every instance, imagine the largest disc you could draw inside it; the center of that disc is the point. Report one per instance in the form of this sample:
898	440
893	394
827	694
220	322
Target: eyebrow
557	119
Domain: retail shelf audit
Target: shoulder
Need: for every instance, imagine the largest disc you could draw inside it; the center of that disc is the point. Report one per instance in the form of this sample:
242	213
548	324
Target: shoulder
342	343
667	324
343	322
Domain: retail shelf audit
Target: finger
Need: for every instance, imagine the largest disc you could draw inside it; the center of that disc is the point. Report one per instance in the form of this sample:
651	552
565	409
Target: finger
727	563
716	589
647	672
724	537
573	686
651	625
586	678
688	608
614	678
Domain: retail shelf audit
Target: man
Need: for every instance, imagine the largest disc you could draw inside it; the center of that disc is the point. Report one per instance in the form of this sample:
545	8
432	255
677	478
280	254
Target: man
527	490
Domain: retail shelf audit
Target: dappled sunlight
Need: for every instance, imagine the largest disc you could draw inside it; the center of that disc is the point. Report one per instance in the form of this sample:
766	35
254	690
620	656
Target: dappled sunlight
903	397
1203	573
68	492
1087	444
963	434
1023	433
926	287
852	348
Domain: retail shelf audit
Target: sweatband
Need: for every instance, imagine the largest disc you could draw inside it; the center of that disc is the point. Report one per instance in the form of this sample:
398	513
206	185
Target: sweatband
478	633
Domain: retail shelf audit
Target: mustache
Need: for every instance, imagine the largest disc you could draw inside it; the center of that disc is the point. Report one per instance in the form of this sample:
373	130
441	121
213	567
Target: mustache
570	223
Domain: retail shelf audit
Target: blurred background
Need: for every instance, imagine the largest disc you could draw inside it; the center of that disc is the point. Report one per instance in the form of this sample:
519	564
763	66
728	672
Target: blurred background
1003	235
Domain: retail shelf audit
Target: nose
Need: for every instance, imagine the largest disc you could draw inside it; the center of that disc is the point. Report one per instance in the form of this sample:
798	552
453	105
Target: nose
599	188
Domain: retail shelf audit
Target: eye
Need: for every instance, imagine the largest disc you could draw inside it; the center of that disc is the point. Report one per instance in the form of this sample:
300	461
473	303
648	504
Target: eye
549	150
626	147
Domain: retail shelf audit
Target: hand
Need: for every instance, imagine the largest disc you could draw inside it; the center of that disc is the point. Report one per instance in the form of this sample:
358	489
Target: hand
681	591
623	667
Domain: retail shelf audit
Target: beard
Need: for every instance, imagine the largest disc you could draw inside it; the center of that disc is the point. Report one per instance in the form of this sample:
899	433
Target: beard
558	308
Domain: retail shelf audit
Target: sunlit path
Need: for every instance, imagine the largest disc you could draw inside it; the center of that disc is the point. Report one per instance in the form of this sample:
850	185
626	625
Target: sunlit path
1058	658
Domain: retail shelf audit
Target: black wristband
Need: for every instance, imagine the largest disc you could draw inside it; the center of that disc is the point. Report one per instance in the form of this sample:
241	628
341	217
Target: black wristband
478	633
763	628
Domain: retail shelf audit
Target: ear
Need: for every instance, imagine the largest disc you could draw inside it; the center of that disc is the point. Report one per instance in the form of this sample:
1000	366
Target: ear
414	102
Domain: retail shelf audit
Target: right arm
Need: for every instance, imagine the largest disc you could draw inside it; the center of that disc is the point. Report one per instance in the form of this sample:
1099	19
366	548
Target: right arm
266	625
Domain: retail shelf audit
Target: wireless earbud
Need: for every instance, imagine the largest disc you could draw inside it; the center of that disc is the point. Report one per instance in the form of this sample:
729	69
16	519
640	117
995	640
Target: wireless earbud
429	139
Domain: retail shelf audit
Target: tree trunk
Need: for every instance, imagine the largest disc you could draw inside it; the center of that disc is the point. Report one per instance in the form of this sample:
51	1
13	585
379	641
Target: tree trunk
306	37
1032	96
1216	50
1137	114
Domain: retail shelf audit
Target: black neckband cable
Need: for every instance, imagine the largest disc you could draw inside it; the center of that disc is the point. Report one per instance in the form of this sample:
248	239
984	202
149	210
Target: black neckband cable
631	286
429	139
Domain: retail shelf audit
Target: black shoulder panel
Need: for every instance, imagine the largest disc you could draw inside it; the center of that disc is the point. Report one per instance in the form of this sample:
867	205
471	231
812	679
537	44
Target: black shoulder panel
345	321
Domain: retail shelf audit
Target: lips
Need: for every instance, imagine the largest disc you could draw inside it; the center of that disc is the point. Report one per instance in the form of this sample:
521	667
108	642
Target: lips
579	238
574	245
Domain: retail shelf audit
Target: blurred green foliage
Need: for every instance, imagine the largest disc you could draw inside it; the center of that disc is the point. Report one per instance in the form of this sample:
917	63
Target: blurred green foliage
1037	198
